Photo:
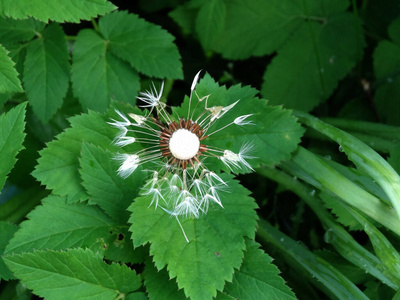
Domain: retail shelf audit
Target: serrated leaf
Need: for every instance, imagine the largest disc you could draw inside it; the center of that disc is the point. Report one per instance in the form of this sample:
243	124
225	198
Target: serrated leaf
307	69
210	21
387	66
146	46
98	76
9	81
12	135
46	72
158	285
13	31
216	240
72	225
56	10
112	193
7	230
258	278
59	163
77	274
273	134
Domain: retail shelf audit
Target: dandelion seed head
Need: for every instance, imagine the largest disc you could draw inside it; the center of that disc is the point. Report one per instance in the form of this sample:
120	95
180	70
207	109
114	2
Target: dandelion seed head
184	144
173	151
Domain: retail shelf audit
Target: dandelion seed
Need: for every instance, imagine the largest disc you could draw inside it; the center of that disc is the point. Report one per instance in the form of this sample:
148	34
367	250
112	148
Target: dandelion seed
174	151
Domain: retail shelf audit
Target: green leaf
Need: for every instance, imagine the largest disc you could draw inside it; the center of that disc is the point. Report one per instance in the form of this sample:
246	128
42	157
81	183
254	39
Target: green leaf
210	21
9	81
273	135
59	163
77	274
185	15
57	10
308	68
146	46
255	28
46	72
7	230
216	240
112	193
72	225
14	31
258	278
12	135
158	285
387	67
98	76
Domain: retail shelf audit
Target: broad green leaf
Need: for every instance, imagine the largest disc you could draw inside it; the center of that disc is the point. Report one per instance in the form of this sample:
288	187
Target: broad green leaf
13	31
387	66
158	285
77	274
146	46
12	135
255	28
56	225
210	21
309	264
59	162
56	10
394	158
308	68
7	230
185	15
9	81
98	76
46	72
112	193
273	134
258	278
216	240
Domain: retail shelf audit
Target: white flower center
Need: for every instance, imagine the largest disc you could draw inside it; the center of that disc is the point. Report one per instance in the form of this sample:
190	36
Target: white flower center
184	144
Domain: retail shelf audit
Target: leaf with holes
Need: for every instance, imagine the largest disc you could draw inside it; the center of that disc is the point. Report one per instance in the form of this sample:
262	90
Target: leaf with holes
216	240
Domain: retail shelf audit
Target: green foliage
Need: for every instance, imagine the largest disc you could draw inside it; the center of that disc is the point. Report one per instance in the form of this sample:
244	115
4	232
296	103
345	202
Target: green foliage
213	244
387	66
12	126
58	166
93	198
9	81
7	230
42	270
59	11
46	73
258	277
